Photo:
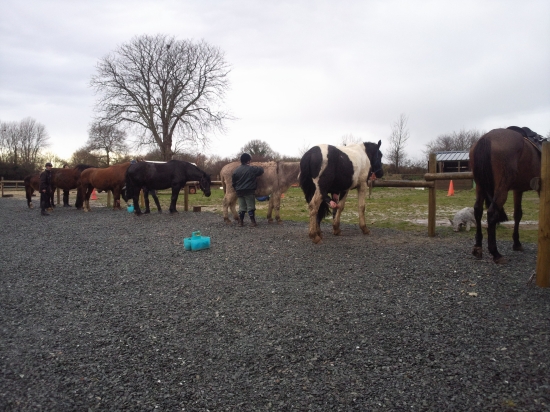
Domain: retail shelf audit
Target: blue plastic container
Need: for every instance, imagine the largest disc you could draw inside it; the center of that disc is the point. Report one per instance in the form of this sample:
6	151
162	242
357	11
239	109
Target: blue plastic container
196	241
130	208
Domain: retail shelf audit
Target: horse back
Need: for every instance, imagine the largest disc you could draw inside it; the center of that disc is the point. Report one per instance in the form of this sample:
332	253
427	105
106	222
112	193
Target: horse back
105	178
503	159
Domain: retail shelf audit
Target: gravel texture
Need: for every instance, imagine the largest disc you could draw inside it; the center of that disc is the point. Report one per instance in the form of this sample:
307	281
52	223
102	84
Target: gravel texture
107	311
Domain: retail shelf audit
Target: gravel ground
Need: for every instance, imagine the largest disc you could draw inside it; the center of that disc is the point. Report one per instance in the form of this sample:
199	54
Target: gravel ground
107	311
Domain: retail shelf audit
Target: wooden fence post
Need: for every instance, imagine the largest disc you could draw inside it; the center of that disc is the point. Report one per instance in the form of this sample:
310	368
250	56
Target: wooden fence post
431	197
543	255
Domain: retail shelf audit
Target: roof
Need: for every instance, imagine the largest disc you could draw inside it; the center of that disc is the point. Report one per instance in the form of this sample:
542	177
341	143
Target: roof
451	156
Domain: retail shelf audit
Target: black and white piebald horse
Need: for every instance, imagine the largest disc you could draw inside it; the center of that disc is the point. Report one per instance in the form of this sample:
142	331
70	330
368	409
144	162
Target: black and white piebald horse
330	169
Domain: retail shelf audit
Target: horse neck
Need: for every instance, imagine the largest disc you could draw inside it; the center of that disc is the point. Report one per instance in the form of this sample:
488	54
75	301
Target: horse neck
194	173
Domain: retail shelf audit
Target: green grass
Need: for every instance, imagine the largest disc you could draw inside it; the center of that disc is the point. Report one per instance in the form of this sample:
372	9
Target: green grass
397	208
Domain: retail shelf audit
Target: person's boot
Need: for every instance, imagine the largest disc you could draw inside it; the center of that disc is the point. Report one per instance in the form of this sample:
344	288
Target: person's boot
43	209
241	219
252	218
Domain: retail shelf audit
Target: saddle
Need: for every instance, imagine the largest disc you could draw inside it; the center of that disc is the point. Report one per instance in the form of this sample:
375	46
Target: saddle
532	137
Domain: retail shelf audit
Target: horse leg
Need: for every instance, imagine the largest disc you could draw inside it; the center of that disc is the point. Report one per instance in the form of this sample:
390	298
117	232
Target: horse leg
314	224
361	191
495	214
116	198
518	213
336	231
226	204
277	207
478	213
29	191
174	198
156	199
135	201
270	209
146	199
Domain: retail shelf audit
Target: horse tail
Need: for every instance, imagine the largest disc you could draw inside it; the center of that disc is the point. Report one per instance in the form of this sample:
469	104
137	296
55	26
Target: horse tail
305	177
482	169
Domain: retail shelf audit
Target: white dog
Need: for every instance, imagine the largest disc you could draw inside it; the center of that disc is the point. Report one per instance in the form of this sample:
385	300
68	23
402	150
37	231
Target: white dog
464	217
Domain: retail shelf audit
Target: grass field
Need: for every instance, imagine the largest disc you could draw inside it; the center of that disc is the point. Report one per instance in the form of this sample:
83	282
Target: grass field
399	208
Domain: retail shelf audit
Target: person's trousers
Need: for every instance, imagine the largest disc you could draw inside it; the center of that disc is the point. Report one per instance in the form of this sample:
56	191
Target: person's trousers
247	203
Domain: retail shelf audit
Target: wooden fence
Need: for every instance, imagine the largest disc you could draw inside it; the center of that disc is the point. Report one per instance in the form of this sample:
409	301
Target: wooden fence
543	254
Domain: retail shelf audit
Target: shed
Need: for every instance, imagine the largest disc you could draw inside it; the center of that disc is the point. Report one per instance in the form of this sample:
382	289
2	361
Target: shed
452	162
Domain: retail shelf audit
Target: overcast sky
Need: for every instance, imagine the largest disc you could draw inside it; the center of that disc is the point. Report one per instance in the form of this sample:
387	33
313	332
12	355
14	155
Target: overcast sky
302	72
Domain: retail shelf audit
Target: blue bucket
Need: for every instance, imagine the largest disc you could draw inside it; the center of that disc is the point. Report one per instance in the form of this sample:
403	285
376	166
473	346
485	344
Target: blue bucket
130	208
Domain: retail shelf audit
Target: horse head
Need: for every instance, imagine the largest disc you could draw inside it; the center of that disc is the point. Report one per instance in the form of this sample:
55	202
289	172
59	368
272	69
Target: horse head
204	184
375	157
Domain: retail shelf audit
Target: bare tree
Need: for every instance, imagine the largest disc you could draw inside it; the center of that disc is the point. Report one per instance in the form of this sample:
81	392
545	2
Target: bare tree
108	140
455	141
21	142
398	139
85	156
170	89
348	139
259	150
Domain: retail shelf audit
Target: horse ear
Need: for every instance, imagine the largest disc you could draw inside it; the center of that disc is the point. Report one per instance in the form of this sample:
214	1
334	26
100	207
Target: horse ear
379	143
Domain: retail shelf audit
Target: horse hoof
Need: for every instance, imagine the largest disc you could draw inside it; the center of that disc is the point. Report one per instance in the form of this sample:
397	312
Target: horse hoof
337	232
316	239
500	260
270	220
518	248
160	211
146	212
279	221
365	230
478	252
173	211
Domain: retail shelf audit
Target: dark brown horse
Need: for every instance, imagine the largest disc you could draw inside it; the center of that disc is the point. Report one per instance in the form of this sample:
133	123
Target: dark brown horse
64	179
111	178
502	160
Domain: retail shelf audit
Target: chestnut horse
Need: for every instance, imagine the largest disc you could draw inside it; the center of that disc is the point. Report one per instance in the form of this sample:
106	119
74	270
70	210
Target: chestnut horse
330	169
502	160
109	178
276	179
65	179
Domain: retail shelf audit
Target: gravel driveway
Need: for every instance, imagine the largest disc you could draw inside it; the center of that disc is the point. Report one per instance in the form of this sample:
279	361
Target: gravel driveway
107	311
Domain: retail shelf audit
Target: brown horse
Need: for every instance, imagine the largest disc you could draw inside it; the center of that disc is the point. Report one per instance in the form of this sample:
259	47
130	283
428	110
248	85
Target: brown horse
65	179
111	178
501	160
276	179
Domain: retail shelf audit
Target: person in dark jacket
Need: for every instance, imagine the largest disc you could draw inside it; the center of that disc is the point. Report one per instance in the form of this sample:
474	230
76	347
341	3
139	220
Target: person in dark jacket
66	192
244	182
45	189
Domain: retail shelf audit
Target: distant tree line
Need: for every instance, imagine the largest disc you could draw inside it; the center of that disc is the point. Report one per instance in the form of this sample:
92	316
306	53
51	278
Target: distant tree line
21	147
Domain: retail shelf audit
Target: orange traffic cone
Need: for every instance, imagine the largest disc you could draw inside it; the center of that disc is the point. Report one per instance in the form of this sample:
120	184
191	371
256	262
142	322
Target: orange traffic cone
94	195
451	189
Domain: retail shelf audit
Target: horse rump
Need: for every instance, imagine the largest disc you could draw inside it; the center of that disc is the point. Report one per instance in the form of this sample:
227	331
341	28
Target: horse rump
482	169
